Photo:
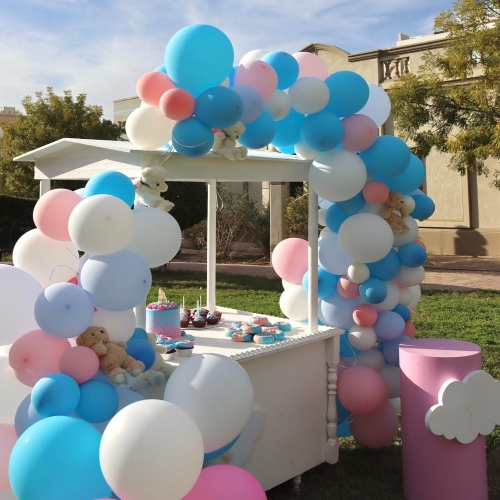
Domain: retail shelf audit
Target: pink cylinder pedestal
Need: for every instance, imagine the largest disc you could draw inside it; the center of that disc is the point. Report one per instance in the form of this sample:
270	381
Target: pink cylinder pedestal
435	468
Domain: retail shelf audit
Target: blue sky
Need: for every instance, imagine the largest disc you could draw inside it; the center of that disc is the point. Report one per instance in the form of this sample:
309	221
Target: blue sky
101	47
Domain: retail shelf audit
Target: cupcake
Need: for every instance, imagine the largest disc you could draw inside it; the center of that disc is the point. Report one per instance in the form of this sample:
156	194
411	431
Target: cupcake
185	320
199	322
217	313
184	348
169	355
212	319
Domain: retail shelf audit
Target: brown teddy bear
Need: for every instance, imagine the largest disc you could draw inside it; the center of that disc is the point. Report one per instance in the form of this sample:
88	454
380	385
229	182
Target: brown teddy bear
113	358
394	212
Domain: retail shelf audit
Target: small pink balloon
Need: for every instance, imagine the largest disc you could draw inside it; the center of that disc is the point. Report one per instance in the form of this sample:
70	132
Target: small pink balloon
362	390
80	363
311	65
52	211
152	85
8	438
347	288
259	75
375	192
226	482
410	330
290	261
360	132
35	355
177	104
365	315
377	429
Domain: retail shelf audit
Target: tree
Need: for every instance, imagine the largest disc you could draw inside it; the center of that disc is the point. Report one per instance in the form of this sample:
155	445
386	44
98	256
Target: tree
453	102
48	118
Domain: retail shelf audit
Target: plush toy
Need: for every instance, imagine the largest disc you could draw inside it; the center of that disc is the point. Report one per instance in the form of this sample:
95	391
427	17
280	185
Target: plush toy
160	371
394	212
225	142
149	186
113	358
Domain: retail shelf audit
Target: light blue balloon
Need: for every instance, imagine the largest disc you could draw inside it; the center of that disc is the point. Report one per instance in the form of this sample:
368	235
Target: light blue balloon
389	325
412	255
424	207
387	157
348	93
55	394
352	205
286	67
252	103
112	183
327	282
373	291
334	217
57	458
390	349
219	107
161	69
25	416
288	130
143	351
258	133
64	310
98	401
192	138
411	178
387	268
321	131
198	57
117	281
337	311
287	150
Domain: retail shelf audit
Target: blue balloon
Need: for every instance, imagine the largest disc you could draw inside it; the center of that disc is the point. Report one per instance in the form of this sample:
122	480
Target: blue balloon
143	351
327	282
321	131
287	150
258	133
389	325
288	130
252	103
403	311
25	416
337	311
231	75
348	93
390	349
411	178
55	394
98	401
412	255
286	67
64	310
352	205
198	57
334	217
424	207
192	138
387	268
343	429
161	69
139	333
217	453
112	183
58	458
387	157
219	107
373	291
117	281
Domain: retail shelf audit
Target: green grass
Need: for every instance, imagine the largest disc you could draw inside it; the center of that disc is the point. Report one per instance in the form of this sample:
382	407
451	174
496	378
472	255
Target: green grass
360	473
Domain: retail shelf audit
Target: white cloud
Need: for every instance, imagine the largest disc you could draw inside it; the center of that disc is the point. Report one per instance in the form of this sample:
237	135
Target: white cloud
466	408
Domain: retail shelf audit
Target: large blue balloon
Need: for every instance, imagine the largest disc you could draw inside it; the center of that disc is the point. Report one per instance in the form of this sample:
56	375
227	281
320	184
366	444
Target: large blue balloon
387	157
337	311
424	207
57	458
334	217
352	205
98	401
288	129
348	93
412	255
55	394
321	131
373	291
258	133
112	183
327	282
198	57
386	268
218	107
389	325
411	178
192	138
139	333
286	67
143	351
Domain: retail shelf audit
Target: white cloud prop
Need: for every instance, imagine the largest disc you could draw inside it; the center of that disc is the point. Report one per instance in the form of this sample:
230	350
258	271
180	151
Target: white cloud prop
466	408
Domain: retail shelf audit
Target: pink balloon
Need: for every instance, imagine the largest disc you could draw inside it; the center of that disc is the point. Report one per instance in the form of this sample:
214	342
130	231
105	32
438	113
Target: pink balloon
360	132
311	65
375	192
152	85
177	104
226	482
259	75
377	429
362	390
290	261
347	288
52	211
8	438
35	355
80	363
410	330
365	315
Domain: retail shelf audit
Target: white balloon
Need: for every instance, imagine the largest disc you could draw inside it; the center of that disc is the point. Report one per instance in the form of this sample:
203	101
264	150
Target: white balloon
48	261
392	298
217	393
321	216
101	224
409	203
306	153
378	106
148	128
358	272
408	237
405	296
157	236
372	358
390	374
362	337
253	55
331	257
337	175
324	203
286	284
119	324
325	232
150	447
365	237
277	105
370	208
410	276
293	302
416	293
308	95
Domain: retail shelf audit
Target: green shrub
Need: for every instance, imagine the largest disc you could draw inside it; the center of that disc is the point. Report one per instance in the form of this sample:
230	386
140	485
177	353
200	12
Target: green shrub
190	200
16	216
296	215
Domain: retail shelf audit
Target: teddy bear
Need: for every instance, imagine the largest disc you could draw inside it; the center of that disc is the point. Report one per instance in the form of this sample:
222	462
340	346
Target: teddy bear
160	371
113	358
225	142
394	212
149	186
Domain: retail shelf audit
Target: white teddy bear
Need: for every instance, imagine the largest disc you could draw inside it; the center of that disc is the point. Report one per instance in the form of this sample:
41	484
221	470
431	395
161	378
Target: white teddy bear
225	142
149	186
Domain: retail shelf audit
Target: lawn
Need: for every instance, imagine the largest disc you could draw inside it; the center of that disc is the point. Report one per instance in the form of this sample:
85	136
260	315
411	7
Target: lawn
361	473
